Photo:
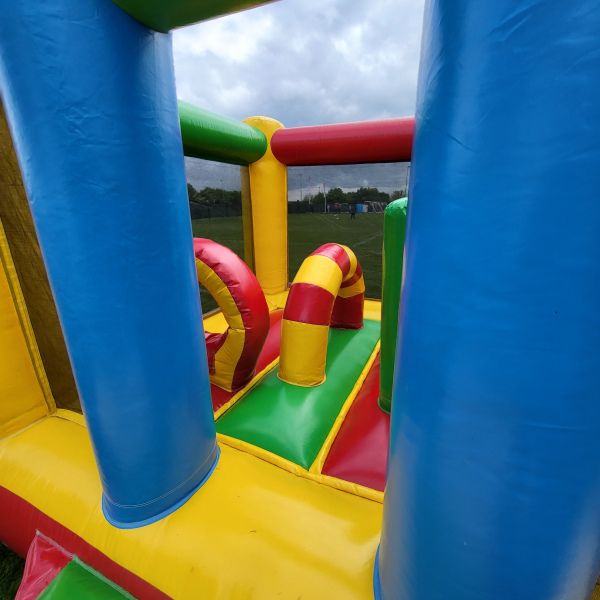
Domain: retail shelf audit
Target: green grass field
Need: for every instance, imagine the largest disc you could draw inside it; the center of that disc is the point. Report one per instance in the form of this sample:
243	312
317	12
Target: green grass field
11	571
306	233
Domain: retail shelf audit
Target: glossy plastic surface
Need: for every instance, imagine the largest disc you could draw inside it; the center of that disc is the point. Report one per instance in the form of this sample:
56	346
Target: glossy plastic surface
387	140
494	472
253	526
394	230
95	126
294	421
359	452
45	560
214	137
164	15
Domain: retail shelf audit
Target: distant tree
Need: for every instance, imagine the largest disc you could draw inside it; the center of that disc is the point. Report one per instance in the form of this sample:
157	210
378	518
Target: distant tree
318	201
336	195
209	195
193	195
363	195
234	198
396	194
212	196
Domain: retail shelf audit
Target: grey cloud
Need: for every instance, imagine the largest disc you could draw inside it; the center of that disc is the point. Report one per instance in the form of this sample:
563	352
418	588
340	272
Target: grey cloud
304	62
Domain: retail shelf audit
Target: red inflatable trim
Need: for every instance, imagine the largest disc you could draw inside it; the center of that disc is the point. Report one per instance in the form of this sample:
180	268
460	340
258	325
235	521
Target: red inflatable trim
348	312
249	301
45	560
359	452
309	303
388	140
337	254
19	521
357	275
312	304
269	353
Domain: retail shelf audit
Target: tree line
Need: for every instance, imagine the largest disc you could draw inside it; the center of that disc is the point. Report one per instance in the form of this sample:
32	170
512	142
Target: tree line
210	196
214	196
360	196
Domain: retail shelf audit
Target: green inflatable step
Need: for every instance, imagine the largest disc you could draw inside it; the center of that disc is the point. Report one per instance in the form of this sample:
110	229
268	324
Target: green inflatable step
293	421
79	581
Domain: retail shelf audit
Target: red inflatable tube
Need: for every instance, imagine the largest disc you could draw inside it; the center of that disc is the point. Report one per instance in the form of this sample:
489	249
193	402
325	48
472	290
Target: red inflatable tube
269	353
328	290
387	140
232	356
313	304
349	305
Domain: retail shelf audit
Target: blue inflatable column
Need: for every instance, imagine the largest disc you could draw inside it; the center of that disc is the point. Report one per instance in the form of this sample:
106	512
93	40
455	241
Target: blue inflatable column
90	98
493	487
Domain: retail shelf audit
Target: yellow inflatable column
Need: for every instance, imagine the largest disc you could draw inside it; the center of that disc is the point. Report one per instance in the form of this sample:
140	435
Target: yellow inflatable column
247	218
268	193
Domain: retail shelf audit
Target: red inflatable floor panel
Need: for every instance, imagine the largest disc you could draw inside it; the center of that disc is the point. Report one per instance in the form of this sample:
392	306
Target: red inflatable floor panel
268	354
359	452
45	560
19	522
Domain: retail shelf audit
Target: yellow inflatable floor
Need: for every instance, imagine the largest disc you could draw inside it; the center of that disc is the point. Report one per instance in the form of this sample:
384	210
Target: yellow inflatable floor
253	530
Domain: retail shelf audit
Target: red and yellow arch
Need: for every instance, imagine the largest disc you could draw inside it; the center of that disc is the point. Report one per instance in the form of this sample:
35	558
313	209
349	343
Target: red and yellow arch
232	355
328	290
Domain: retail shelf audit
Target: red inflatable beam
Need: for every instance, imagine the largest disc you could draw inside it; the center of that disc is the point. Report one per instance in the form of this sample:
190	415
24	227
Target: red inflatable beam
388	140
19	521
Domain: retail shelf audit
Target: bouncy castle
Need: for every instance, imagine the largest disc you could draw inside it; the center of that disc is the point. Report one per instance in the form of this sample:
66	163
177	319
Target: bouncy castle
251	454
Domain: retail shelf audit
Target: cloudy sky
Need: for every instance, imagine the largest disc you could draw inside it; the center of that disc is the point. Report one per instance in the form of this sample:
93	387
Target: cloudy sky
304	62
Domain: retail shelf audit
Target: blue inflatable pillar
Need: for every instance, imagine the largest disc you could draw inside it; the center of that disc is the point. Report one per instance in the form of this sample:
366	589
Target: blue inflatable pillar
493	488
90	97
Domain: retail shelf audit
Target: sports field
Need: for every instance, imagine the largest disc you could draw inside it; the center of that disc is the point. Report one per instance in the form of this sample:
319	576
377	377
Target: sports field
364	236
11	571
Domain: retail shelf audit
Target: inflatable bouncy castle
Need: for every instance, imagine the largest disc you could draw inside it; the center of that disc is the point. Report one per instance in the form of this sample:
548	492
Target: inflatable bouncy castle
251	454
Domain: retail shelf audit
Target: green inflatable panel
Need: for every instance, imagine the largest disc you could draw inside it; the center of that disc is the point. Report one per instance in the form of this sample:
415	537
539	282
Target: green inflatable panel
394	230
214	137
293	421
79	581
164	15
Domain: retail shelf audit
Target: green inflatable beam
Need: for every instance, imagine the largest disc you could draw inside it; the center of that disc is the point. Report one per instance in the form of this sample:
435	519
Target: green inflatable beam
213	137
164	15
394	229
